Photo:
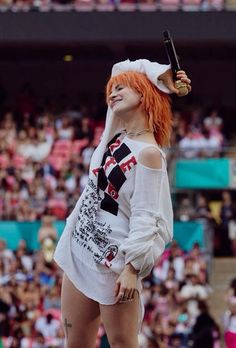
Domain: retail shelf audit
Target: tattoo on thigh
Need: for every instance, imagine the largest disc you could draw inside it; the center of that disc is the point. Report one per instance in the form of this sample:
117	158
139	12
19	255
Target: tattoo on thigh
67	326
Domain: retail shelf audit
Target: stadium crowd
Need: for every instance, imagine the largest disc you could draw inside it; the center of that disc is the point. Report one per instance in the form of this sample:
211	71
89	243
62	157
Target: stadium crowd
44	156
44	160
111	5
175	297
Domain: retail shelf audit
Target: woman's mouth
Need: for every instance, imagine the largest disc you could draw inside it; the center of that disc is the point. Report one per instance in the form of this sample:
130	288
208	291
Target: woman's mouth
114	102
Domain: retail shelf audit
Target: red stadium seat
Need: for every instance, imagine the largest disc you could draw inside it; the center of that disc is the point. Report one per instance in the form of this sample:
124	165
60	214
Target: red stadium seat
127	5
57	162
84	5
147	5
4	161
191	5
58	207
62	148
78	145
169	5
104	5
63	144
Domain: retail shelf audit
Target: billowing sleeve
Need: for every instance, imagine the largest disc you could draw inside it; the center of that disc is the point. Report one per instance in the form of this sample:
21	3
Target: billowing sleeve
151	221
151	69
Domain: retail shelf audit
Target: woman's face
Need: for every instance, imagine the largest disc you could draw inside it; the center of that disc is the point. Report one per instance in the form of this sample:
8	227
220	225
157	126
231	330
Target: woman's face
123	99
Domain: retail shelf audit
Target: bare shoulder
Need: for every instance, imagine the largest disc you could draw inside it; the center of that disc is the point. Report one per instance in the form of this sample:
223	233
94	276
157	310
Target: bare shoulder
150	157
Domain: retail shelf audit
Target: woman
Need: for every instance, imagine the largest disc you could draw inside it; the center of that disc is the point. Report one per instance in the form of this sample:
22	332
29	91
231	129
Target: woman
123	219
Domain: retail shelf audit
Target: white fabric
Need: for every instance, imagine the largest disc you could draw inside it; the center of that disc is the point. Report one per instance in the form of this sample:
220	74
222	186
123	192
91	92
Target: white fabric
141	227
151	221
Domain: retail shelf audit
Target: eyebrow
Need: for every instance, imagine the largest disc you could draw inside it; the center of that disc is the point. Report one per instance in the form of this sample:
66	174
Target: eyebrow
118	85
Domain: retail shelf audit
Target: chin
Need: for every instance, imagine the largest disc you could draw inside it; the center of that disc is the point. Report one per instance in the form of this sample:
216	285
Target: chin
118	112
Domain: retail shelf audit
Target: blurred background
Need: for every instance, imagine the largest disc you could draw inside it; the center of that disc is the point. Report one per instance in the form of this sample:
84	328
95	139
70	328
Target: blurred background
55	59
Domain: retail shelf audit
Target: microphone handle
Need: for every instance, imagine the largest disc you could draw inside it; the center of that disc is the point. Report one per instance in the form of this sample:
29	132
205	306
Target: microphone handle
174	62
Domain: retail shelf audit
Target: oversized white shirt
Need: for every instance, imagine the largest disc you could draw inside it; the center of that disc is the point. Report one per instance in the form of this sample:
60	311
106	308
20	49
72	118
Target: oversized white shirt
134	217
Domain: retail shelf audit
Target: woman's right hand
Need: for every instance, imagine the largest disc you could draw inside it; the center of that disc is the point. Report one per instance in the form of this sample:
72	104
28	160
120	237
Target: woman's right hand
126	284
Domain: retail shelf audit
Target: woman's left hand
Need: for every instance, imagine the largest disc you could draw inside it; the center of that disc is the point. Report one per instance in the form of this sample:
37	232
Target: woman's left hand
126	284
167	79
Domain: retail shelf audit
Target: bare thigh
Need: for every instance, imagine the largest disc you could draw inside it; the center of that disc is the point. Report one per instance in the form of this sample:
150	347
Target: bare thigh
80	315
121	322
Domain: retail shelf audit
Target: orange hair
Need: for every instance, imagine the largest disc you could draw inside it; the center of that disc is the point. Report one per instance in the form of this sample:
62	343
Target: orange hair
156	104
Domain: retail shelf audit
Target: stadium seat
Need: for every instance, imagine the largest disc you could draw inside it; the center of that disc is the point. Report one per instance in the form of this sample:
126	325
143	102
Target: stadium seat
57	162
169	5
4	161
62	148
58	207
127	5
191	5
84	5
104	5
78	145
147	5
63	144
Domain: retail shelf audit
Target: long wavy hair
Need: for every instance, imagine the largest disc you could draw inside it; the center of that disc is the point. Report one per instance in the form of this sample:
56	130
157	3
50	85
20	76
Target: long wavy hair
156	104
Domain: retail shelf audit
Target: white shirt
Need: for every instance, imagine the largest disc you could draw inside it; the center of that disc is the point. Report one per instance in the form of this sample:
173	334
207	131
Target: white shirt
134	220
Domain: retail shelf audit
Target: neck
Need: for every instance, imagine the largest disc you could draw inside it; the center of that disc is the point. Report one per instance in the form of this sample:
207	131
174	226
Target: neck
136	123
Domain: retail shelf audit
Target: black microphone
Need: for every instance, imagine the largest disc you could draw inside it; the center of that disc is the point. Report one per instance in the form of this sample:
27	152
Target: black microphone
174	62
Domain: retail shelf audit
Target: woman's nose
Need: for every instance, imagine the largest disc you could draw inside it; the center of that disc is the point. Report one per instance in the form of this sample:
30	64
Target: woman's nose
112	97
113	94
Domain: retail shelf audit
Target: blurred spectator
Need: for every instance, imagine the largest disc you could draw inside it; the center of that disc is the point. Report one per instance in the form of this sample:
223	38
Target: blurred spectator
213	122
193	291
179	126
85	129
47	325
205	330
39	341
210	144
6	256
22	254
65	130
195	124
229	318
47	236
185	211
190	145
203	210
4	309
227	214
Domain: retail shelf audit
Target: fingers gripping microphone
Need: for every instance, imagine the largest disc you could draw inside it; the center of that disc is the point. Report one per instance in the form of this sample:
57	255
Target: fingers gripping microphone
174	62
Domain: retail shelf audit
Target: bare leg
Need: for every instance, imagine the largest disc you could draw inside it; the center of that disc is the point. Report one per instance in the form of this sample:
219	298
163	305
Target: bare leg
80	315
121	323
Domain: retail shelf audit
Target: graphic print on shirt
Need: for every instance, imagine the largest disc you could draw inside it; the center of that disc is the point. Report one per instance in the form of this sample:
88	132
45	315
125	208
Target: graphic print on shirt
112	174
90	233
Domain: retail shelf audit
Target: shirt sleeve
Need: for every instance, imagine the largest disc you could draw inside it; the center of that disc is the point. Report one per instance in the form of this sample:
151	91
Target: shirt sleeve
150	227
151	69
